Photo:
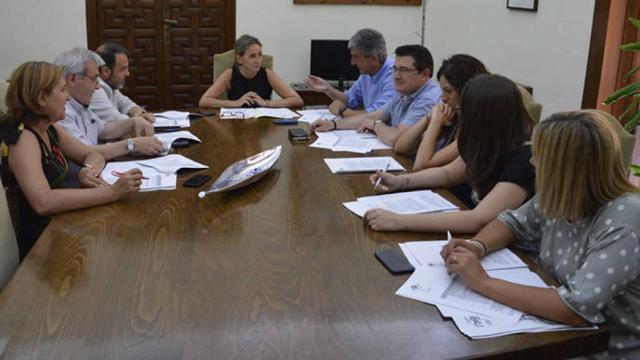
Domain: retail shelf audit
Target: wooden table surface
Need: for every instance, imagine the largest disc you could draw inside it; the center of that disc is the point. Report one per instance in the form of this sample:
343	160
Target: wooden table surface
277	270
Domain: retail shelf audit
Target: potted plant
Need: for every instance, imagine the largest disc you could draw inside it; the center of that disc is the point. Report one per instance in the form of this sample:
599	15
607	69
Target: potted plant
631	114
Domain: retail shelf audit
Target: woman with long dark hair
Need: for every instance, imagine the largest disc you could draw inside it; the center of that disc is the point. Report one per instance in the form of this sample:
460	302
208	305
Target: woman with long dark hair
494	160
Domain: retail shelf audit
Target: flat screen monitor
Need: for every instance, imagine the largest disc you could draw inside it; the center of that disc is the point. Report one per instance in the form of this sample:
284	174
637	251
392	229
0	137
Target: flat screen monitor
331	60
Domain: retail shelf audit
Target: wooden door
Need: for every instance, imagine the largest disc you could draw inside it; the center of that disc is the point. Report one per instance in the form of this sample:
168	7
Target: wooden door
171	45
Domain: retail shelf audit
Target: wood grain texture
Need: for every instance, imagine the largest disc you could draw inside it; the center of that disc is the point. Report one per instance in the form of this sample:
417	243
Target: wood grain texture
277	270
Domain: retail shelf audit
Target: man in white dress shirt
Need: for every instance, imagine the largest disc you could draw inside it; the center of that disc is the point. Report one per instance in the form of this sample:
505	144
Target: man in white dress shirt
81	76
108	102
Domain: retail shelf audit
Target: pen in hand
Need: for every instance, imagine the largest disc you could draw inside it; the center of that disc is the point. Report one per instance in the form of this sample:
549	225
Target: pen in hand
119	174
375	186
449	238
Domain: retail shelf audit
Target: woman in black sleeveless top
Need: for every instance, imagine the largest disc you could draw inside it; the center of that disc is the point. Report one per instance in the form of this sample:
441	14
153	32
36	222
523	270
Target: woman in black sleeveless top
247	83
34	151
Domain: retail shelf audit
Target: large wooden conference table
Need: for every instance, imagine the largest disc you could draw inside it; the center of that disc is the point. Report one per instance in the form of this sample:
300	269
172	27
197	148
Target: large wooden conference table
277	270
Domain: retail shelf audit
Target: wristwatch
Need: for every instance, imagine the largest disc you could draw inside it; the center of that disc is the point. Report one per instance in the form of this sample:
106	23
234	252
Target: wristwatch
131	146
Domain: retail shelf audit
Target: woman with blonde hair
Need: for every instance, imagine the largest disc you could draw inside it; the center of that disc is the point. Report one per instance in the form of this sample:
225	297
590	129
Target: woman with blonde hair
247	83
583	225
35	151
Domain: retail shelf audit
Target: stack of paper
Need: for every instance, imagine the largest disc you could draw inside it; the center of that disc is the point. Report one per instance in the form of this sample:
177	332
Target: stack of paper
167	139
246	113
310	116
172	119
475	315
160	172
362	164
412	202
427	254
349	140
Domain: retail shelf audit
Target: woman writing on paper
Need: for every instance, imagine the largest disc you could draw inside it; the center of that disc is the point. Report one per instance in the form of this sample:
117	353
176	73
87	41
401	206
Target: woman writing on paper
35	151
436	132
247	83
494	160
584	227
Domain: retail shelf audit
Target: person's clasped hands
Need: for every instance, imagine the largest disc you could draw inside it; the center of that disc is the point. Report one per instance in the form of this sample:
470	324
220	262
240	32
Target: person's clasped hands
251	99
88	177
442	115
462	257
128	182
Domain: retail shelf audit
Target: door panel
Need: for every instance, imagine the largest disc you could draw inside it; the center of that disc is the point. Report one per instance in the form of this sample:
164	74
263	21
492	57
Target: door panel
171	45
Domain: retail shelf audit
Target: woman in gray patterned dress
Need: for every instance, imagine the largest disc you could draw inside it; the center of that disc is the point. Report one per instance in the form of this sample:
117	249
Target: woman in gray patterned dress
584	227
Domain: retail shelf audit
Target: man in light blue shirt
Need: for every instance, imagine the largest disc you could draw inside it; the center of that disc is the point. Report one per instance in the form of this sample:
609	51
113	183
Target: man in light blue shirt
374	86
416	94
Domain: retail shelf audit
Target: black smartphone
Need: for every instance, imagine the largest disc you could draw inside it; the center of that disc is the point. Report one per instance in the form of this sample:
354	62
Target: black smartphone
290	121
197	180
166	128
202	114
394	261
298	134
181	143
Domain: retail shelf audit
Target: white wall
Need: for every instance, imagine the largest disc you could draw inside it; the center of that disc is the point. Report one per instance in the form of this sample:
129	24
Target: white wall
547	49
285	29
39	30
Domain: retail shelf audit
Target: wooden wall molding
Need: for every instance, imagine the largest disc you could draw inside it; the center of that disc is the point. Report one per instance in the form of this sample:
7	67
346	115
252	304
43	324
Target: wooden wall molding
359	2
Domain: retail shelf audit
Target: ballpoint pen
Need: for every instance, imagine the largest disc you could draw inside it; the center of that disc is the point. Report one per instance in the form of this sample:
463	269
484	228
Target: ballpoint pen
375	186
449	238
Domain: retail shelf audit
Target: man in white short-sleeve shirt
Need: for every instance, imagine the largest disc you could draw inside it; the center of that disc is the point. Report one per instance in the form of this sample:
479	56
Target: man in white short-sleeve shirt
81	76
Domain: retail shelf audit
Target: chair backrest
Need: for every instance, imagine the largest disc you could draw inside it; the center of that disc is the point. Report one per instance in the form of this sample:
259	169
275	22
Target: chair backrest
225	60
8	244
627	140
3	92
533	108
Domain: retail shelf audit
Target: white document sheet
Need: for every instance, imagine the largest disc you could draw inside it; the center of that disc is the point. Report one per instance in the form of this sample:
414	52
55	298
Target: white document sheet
160	172
349	140
172	119
478	326
155	180
412	202
169	164
168	138
427	254
434	286
482	326
362	164
246	113
310	116
172	114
